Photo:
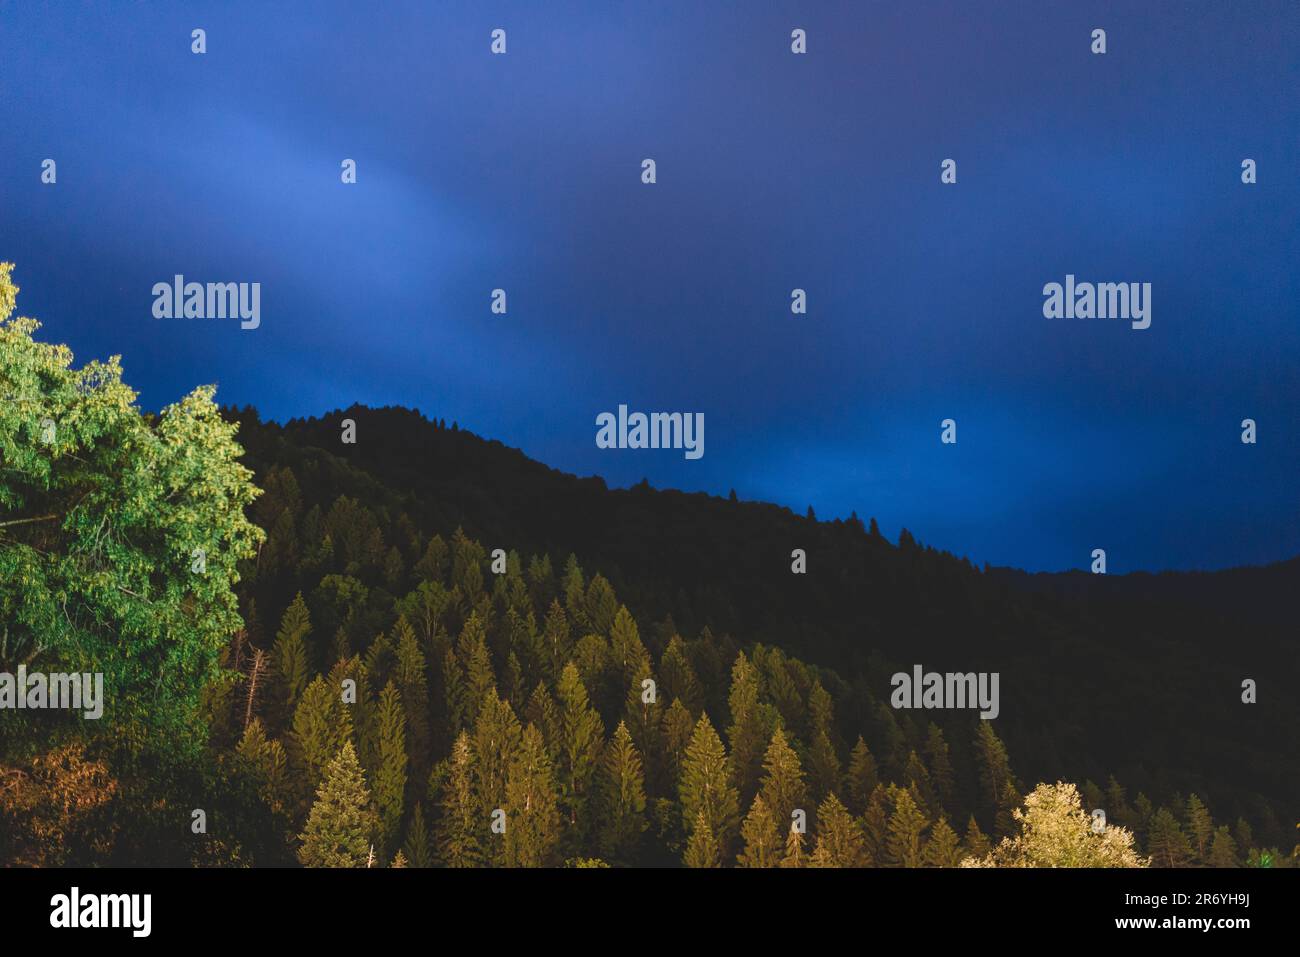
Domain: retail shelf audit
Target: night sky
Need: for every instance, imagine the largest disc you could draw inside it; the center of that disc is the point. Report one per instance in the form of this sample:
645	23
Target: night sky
775	171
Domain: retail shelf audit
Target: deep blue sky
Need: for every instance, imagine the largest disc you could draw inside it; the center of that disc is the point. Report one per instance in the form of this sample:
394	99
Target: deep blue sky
775	171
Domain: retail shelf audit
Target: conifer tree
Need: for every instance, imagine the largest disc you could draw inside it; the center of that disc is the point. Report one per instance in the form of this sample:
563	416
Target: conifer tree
783	788
621	790
938	756
1200	829
678	676
840	842
581	738
823	766
702	847
532	815
557	640
762	837
268	763
1223	850
459	832
341	825
975	844
707	796
413	683
496	739
320	728
746	733
417	848
906	824
794	853
289	656
875	825
390	776
455	697
1166	843
862	776
676	737
994	774
917	779
942	849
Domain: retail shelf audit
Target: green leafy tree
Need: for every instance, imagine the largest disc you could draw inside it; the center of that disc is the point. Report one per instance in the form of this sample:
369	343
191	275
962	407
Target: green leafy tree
342	823
120	534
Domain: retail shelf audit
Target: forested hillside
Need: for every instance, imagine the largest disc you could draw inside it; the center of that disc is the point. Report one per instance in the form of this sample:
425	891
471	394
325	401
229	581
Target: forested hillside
421	648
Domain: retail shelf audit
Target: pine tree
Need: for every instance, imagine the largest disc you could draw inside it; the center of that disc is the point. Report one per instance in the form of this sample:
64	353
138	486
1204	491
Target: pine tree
906	824
581	737
794	854
459	832
1200	829
761	835
746	733
975	844
676	737
532	815
1166	843
1223	851
840	842
824	766
341	825
941	773
707	796
621	790
413	683
862	777
702	848
875	825
320	728
942	849
783	787
994	777
496	739
679	679
917	778
268	764
390	777
417	848
289	656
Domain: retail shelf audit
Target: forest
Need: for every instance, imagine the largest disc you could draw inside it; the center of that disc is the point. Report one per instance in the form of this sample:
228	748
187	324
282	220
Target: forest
422	649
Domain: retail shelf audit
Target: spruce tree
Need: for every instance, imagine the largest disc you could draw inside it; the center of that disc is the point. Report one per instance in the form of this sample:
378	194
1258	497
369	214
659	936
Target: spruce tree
783	788
707	796
678	676
460	829
746	733
762	837
794	853
320	728
621	792
532	815
1223	850
862	776
417	848
289	657
581	738
390	777
342	823
1166	842
702	847
942	849
840	842
941	774
496	739
906	824
1200	829
975	844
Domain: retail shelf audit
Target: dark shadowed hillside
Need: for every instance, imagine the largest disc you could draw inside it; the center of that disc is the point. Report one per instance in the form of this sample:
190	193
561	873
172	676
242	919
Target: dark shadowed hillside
1137	676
